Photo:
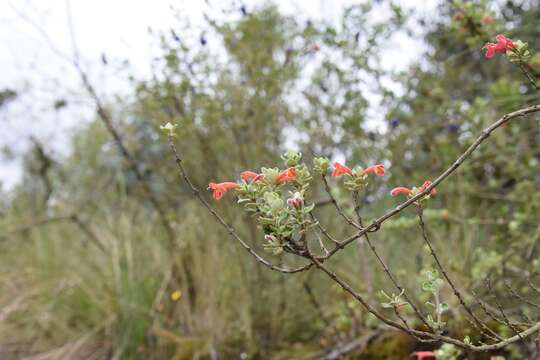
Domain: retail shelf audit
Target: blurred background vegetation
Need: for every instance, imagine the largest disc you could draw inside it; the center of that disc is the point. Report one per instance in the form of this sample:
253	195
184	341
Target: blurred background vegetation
87	269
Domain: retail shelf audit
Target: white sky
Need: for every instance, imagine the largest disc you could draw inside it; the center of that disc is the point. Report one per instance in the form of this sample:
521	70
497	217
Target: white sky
120	29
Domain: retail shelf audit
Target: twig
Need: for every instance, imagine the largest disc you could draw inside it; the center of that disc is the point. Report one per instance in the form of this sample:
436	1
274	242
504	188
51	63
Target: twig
505	318
422	334
529	76
47	220
365	268
450	282
323	230
519	297
321	243
336	205
341	350
315	302
88	232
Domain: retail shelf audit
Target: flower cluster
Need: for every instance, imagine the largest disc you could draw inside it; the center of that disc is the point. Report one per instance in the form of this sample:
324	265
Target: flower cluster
219	189
283	218
276	197
517	51
357	178
340	169
502	45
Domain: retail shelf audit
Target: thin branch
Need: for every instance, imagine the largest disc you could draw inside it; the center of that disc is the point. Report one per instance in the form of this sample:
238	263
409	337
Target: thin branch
365	268
321	243
323	230
36	223
108	122
529	76
535	289
450	282
54	219
336	205
315	302
422	334
505	318
88	232
387	269
519	297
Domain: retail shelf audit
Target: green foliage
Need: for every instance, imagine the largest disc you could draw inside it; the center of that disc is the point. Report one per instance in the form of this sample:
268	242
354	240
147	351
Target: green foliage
433	285
448	352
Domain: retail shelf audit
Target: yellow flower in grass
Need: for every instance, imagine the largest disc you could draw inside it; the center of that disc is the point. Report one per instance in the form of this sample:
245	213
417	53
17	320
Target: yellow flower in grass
176	295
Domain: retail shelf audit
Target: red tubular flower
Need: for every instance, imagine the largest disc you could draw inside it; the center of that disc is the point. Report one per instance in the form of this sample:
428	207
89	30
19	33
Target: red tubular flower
457	17
287	175
400	190
250	175
340	170
490	50
486	20
377	169
427	183
423	354
503	44
403	190
221	188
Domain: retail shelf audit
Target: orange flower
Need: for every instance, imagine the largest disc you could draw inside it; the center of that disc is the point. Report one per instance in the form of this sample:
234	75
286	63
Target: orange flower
427	183
250	175
377	169
457	17
340	170
420	355
286	175
221	188
400	190
407	191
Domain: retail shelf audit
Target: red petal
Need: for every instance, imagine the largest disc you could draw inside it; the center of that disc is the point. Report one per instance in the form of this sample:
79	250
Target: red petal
400	190
340	169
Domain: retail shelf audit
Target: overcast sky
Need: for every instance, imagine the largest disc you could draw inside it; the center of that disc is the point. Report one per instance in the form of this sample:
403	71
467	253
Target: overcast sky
29	29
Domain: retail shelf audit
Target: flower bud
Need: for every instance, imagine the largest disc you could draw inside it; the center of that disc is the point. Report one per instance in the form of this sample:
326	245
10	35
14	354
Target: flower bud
270	238
321	165
270	174
297	200
169	128
291	158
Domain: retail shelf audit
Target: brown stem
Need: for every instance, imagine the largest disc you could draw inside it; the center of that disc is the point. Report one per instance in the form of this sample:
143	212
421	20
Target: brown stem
457	293
386	268
422	334
336	205
529	76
